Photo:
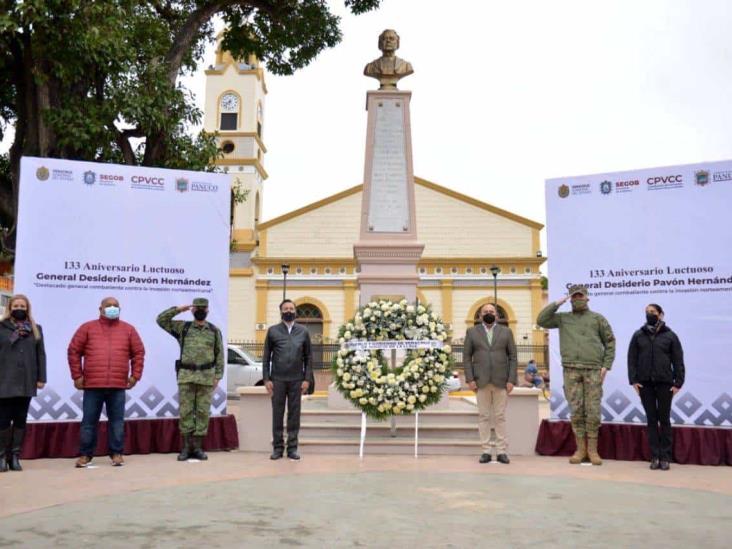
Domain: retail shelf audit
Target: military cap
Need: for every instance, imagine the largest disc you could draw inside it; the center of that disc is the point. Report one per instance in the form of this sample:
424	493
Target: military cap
578	289
200	302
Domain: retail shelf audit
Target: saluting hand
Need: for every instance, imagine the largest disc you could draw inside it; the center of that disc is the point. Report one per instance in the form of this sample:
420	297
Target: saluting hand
562	301
183	308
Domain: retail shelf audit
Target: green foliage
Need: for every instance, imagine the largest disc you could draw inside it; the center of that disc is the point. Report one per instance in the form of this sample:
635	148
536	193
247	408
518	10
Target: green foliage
99	80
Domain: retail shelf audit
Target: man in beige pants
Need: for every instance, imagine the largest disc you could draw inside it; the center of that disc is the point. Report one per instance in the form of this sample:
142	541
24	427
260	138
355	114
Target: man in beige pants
489	359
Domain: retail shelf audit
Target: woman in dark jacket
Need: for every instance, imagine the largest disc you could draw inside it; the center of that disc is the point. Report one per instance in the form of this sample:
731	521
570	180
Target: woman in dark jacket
22	371
656	371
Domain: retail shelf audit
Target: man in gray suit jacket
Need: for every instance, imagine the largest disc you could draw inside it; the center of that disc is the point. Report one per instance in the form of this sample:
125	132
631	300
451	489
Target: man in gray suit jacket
489	359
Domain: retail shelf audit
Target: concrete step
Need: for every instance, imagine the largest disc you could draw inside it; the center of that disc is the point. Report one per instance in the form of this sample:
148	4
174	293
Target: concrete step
353	417
329	430
379	445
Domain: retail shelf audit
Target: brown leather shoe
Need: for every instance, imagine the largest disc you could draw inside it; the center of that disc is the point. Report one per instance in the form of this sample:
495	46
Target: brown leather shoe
118	460
83	461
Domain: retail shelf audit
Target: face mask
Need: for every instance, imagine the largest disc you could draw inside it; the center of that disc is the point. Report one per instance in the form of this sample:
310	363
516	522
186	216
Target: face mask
19	314
651	319
579	304
489	318
111	312
288	316
200	314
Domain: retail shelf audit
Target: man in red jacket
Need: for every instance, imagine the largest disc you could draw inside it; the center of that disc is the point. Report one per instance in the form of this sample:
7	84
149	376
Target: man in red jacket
101	355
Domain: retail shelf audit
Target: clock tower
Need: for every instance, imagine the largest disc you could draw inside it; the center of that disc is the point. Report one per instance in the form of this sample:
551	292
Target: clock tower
234	110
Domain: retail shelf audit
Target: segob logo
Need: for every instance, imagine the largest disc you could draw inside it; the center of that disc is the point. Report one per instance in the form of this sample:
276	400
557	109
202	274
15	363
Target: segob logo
606	187
702	177
90	177
181	184
563	191
42	173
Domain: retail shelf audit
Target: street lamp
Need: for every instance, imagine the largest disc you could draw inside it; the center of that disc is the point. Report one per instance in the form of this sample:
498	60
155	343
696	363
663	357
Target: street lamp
285	269
494	271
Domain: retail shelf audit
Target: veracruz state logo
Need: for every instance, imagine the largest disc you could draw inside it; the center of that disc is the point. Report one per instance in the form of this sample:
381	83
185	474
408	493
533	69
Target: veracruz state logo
563	191
606	187
90	177
702	177
42	173
181	184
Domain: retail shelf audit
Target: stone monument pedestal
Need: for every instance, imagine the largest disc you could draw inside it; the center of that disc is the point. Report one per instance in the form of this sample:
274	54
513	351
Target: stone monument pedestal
387	251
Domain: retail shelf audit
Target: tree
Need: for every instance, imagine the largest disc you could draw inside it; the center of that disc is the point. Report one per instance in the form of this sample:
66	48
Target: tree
100	80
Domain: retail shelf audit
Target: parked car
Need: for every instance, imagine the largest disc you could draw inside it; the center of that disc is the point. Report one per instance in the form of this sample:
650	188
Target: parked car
242	370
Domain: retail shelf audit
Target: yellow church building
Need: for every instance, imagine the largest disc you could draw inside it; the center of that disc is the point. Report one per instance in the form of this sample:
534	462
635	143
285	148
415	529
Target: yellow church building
311	249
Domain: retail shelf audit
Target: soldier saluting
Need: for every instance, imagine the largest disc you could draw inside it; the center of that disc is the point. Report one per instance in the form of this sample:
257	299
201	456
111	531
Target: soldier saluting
199	369
587	346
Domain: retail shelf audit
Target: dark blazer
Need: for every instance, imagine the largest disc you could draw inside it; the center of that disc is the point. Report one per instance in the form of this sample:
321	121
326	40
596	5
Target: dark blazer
22	364
656	357
495	363
287	356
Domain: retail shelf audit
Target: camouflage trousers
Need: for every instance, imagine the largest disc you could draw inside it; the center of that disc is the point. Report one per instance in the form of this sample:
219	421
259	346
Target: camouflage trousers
583	389
194	408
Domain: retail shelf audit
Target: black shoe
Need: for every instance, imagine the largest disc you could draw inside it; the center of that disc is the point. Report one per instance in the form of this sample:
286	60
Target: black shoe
655	464
292	454
6	437
665	465
277	454
17	445
503	458
185	452
485	458
197	452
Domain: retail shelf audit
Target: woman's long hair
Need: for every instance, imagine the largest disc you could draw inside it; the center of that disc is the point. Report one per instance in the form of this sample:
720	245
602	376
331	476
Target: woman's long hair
16	297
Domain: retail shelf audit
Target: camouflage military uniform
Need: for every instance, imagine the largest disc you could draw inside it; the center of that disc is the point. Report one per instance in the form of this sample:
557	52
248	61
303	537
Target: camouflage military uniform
195	387
587	345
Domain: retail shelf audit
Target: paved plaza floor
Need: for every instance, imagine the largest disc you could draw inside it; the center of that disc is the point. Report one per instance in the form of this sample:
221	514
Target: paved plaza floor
245	500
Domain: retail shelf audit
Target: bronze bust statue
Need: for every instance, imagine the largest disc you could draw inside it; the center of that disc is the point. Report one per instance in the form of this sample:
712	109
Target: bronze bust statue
388	69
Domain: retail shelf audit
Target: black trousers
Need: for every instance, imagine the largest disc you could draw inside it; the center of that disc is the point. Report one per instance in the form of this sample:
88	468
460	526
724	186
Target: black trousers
656	399
286	393
13	410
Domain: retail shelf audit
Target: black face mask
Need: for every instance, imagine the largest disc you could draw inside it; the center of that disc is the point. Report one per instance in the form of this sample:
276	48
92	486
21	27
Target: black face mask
200	314
288	316
19	314
489	318
651	319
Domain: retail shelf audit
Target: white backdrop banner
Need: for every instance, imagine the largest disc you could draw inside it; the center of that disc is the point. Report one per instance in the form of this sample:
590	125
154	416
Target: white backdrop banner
660	235
152	238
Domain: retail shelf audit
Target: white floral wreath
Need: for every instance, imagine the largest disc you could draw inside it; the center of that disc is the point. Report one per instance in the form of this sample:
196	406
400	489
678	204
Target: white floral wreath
364	377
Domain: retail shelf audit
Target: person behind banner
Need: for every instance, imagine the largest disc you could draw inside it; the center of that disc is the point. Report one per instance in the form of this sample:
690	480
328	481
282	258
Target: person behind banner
531	377
22	372
656	372
106	357
199	369
587	347
489	360
287	365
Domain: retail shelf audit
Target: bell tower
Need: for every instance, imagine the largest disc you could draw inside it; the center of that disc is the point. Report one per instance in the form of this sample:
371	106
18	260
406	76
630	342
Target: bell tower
234	109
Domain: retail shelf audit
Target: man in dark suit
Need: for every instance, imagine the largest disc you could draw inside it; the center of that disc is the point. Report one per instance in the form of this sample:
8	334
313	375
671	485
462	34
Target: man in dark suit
489	359
287	364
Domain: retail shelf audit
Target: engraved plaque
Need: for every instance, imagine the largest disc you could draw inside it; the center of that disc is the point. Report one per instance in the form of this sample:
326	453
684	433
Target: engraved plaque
388	204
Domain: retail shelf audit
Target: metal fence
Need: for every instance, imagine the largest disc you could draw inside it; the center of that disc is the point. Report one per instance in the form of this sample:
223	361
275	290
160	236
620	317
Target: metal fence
323	354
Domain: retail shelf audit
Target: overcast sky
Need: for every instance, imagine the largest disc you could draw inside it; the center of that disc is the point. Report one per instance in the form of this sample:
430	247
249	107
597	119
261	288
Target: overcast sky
508	94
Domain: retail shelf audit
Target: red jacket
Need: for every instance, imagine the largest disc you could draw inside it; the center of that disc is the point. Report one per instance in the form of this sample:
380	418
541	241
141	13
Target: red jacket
107	347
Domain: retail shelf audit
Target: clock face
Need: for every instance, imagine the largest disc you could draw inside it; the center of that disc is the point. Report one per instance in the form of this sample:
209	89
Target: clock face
229	102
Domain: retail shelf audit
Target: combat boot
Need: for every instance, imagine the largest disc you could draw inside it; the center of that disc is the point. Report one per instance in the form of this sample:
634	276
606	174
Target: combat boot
5	438
595	458
185	451
17	445
198	452
581	452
